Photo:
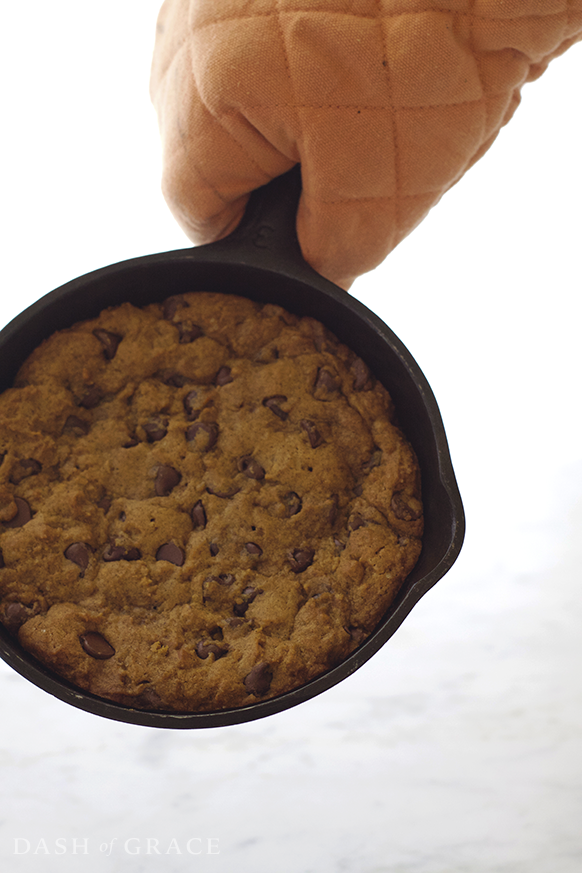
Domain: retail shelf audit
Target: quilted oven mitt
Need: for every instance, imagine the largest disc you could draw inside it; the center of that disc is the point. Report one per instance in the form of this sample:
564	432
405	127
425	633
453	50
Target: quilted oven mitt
385	103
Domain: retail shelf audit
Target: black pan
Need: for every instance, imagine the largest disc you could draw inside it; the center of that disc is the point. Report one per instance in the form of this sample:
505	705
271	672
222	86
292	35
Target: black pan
260	260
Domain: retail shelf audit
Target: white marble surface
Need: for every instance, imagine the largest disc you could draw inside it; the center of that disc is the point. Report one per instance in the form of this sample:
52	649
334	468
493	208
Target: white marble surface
458	747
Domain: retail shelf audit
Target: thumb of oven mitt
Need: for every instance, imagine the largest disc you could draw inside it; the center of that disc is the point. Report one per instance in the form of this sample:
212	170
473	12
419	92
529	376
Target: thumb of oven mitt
384	103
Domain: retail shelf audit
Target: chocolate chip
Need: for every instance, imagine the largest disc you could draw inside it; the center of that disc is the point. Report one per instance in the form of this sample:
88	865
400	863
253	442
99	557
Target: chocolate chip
273	402
191	412
23	514
325	382
166	480
253	549
356	521
240	608
90	399
76	425
301	559
170	377
96	645
224	579
224	376
314	436
251	468
132	555
208	647
258	681
2	564
118	553
402	508
188	332
357	633
23	469
205	433
156	429
362	376
133	441
374	461
172	553
15	614
198	515
214	550
171	305
109	340
78	553
293	503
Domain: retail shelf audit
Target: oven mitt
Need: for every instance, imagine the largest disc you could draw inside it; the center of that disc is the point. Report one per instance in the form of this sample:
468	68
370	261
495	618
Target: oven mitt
385	103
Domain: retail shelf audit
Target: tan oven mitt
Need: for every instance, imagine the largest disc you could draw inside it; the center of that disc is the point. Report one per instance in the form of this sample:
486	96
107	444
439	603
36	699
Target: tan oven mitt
385	103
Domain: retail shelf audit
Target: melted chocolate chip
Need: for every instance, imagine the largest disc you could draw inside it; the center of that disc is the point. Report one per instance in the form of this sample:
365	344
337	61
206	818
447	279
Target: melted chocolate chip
357	633
258	681
248	595
156	429
95	645
76	425
223	377
362	376
356	521
166	480
374	461
205	433
292	502
109	341
23	514
253	549
251	468
90	399
118	553
313	435
78	553
15	615
172	553
188	332
198	515
173	379
25	468
171	305
301	559
402	509
326	381
189	408
208	647
273	402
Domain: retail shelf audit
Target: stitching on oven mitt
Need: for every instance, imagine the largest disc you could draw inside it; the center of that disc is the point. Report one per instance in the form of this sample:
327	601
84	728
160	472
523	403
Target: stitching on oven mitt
385	103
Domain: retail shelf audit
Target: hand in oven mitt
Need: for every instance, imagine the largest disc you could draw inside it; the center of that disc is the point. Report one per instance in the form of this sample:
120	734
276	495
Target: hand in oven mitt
385	103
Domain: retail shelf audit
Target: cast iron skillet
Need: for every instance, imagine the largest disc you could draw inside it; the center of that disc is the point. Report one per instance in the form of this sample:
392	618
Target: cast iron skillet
260	260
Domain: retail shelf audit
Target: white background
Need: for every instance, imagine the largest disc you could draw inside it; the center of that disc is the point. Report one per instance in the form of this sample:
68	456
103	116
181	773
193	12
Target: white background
456	749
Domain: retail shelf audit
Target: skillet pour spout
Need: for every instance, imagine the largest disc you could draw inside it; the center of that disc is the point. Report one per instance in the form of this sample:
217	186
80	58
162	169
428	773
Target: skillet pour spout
260	260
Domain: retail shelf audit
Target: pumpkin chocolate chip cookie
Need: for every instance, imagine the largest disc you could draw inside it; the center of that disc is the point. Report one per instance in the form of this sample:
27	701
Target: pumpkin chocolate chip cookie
203	503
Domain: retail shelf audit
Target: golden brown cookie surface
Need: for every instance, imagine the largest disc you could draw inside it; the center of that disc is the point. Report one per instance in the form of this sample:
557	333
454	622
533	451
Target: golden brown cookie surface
202	503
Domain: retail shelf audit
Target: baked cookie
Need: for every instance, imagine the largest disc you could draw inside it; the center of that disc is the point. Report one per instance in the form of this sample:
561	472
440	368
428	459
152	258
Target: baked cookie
203	503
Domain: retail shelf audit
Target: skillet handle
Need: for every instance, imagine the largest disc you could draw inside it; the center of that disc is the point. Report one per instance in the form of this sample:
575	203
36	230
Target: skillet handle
266	236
